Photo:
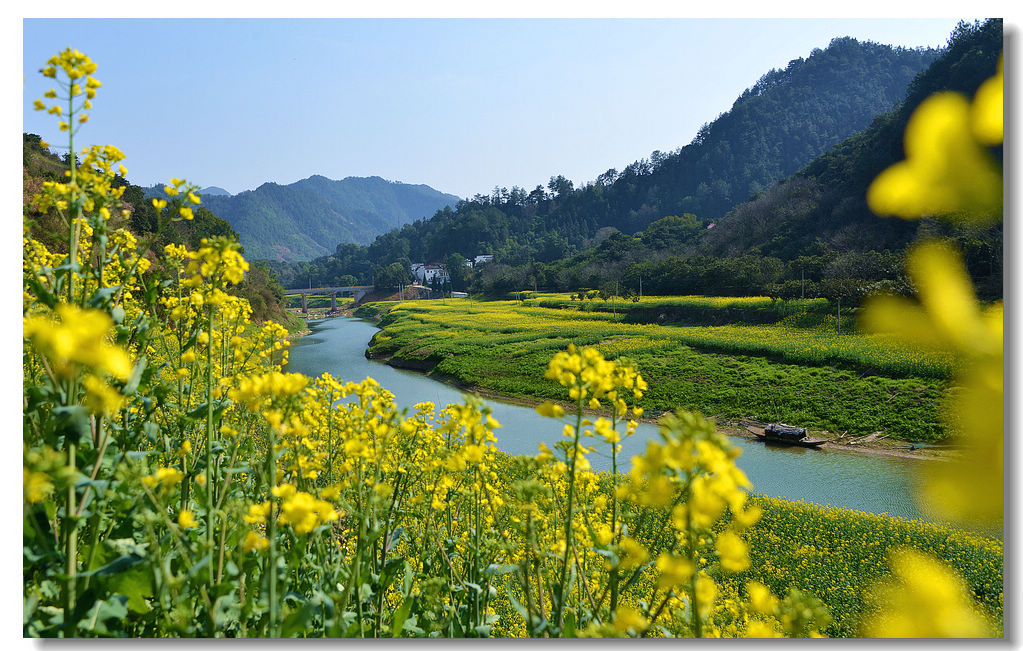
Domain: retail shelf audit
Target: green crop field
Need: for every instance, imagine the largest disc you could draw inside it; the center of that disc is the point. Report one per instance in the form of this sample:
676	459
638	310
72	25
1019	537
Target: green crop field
855	383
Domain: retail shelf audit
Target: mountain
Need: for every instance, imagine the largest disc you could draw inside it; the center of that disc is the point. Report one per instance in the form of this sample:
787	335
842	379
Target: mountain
214	191
810	234
776	127
824	206
788	118
310	217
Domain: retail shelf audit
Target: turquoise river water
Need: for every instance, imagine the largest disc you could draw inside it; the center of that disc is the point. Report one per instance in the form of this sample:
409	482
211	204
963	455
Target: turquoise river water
862	481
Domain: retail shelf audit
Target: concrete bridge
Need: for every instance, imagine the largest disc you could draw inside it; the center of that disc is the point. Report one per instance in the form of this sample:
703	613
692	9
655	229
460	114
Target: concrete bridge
357	292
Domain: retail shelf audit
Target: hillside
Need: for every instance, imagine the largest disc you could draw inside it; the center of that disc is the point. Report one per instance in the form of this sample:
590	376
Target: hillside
772	130
310	217
809	235
823	207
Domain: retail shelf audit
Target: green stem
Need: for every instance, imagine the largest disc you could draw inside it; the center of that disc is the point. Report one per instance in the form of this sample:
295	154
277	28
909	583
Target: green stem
210	475
691	551
560	610
70	545
614	523
77	211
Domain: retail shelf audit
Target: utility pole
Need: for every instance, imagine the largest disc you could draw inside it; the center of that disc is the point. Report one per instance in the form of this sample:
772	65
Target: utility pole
839	315
802	284
641	286
613	310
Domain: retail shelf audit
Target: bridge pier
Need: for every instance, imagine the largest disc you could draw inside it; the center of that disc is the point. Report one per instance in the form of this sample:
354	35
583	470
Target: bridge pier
333	301
305	310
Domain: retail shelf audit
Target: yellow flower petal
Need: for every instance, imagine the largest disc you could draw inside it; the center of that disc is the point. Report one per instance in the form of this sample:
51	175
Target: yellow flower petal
945	290
987	109
946	172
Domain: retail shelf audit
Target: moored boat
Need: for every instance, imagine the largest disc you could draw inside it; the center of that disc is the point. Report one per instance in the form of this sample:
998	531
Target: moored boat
780	433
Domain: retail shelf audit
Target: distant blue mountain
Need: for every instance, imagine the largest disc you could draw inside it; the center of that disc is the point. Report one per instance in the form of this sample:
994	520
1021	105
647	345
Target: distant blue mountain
309	218
214	191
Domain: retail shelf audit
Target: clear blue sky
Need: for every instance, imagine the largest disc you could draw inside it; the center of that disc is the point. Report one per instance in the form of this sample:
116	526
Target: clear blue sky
461	105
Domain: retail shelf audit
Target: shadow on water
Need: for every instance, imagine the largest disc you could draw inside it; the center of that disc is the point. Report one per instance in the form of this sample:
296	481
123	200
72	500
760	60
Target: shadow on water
870	483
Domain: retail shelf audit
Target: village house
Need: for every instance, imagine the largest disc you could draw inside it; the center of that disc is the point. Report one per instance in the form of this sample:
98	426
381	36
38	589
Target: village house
425	272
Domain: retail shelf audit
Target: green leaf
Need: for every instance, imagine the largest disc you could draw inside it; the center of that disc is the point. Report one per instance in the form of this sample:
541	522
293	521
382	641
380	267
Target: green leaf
298	621
136	376
73	423
137	585
43	296
483	630
569	629
102	296
495	569
198	412
390	571
400	616
119	564
103	611
519	608
406	581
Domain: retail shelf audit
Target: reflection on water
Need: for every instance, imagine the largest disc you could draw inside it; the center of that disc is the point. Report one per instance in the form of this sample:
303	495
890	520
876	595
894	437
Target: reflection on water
860	481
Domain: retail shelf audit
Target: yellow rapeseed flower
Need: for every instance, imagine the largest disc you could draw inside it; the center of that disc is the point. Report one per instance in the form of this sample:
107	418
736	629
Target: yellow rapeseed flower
254	542
947	172
186	520
923	598
37	485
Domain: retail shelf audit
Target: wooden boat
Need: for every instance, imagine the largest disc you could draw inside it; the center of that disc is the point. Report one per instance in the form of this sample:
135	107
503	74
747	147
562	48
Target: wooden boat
782	434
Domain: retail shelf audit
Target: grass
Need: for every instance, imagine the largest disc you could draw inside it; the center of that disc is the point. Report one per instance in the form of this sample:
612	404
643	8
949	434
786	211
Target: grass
855	383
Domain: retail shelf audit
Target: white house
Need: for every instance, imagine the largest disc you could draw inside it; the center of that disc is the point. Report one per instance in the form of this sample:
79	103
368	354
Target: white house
483	259
426	272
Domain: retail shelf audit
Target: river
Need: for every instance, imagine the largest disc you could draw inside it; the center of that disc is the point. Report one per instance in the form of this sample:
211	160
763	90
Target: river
865	482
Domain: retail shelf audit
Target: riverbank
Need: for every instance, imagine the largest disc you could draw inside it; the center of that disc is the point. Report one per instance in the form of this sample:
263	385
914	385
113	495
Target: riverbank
870	477
875	443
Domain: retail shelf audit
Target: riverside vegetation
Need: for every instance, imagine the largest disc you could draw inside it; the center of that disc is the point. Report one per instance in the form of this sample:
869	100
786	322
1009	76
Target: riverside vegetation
178	483
811	375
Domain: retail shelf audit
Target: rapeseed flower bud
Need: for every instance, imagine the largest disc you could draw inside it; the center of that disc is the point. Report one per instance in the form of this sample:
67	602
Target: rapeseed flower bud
100	398
258	513
732	552
550	410
673	570
164	478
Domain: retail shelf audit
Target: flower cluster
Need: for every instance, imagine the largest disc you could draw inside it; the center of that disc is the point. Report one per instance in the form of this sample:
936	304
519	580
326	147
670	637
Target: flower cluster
76	67
78	342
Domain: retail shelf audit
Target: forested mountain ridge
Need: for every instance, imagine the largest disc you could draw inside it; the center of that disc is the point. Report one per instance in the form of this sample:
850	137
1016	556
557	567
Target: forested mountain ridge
308	218
823	207
785	120
772	130
811	234
214	191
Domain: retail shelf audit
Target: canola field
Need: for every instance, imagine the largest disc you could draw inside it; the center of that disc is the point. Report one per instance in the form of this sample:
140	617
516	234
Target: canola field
178	483
854	383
